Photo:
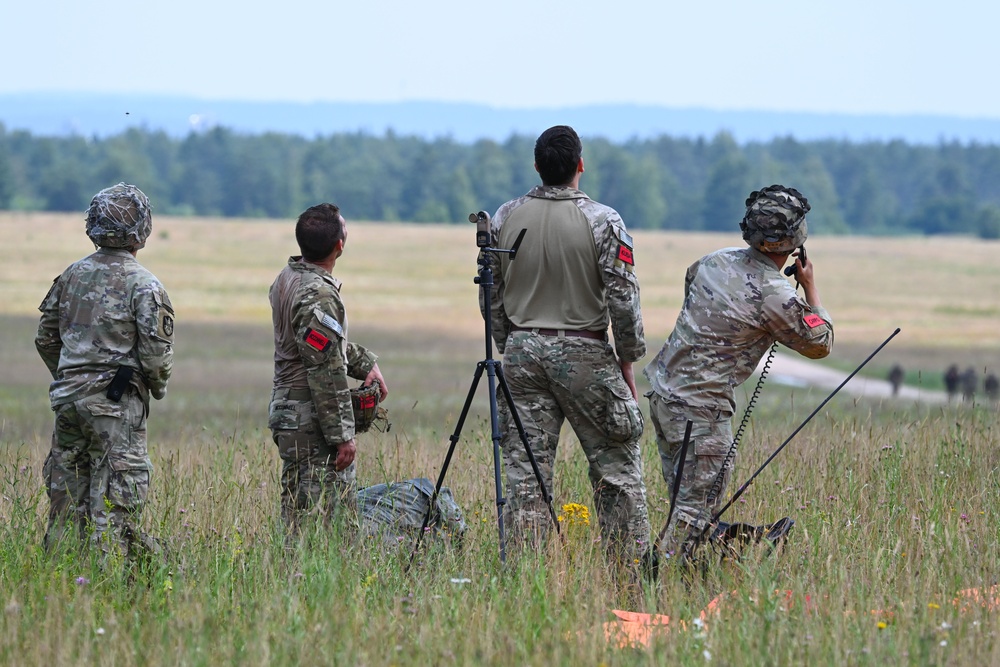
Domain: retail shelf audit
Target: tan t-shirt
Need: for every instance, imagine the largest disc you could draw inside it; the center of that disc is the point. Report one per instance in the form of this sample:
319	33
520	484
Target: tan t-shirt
555	280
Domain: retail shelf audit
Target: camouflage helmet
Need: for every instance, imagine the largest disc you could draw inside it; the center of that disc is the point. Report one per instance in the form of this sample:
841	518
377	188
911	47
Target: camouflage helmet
119	217
775	220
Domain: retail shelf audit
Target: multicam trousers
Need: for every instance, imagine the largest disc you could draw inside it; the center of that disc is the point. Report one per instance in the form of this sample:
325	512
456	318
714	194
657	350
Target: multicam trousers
311	488
711	438
555	379
97	473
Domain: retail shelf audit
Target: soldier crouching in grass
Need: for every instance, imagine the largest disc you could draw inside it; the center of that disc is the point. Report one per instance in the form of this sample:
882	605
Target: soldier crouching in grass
736	305
311	417
106	336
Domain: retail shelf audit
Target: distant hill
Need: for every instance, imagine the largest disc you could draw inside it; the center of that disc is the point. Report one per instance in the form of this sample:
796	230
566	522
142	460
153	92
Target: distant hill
56	114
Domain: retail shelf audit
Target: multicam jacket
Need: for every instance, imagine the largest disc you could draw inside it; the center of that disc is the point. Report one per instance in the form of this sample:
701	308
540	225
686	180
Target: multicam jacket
575	269
736	304
105	311
311	348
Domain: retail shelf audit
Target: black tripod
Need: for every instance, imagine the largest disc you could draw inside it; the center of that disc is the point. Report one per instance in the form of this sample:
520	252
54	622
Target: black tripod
494	373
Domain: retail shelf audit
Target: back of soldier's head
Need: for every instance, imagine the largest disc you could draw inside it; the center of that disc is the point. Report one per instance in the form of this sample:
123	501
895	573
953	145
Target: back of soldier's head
120	217
775	219
557	155
317	231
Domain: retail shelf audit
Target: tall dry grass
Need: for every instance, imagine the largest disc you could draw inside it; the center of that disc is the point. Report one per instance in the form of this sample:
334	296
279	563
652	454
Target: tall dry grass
895	504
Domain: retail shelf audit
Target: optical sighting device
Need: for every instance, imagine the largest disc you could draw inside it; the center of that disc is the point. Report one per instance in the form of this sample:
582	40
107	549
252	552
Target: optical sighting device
482	221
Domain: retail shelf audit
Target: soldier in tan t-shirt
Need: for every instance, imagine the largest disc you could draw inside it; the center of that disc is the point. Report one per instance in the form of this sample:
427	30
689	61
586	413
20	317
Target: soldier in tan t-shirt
573	276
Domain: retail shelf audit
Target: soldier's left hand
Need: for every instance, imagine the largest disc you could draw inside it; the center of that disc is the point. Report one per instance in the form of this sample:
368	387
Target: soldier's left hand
375	375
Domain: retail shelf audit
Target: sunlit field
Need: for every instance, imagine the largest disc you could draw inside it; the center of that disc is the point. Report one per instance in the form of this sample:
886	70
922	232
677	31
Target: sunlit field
896	504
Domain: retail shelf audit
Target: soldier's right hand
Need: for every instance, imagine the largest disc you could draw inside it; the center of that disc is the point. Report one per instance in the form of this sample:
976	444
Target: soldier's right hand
345	455
803	270
805	277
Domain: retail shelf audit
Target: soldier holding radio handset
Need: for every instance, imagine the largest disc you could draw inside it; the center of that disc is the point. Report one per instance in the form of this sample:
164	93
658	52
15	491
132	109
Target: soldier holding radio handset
736	305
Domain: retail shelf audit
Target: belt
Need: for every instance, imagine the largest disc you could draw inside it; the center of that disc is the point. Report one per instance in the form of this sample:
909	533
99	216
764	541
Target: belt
569	333
291	394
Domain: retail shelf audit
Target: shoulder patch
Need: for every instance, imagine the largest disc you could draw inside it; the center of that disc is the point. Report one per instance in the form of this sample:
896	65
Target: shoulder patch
625	255
625	238
813	320
329	322
317	341
167	325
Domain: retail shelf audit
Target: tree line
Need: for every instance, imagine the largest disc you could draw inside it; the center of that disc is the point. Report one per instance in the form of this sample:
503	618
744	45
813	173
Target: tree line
660	183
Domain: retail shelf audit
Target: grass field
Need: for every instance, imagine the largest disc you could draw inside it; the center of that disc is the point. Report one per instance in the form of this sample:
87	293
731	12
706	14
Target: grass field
896	505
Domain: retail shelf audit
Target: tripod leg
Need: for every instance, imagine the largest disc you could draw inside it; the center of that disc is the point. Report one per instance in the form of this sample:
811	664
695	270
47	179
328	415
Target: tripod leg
492	370
546	496
447	459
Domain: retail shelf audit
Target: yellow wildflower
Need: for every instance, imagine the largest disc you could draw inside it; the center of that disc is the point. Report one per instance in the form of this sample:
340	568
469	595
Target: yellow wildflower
575	514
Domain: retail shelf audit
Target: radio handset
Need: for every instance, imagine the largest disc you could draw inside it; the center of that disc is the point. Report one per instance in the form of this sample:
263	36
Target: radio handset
791	270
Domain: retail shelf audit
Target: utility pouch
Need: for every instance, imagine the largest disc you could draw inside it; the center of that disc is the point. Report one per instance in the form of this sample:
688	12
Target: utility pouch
119	383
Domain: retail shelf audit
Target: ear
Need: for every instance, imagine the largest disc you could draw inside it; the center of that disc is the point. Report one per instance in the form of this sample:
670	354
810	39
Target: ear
338	247
536	167
579	167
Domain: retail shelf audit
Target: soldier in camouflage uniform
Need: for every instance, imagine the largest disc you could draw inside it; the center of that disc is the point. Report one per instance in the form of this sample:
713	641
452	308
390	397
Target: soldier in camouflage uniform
574	273
311	418
736	304
105	317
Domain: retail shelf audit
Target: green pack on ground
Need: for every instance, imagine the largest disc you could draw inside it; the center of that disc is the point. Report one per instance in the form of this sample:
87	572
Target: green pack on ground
395	512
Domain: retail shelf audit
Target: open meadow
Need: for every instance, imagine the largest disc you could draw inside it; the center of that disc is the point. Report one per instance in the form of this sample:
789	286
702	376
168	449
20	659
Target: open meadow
896	504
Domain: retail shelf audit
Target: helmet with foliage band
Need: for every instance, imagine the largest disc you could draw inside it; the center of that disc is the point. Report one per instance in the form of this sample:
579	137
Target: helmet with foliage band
119	217
775	219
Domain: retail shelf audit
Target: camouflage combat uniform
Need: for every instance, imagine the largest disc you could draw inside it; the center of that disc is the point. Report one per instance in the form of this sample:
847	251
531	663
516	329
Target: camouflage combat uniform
573	273
103	312
736	304
310	410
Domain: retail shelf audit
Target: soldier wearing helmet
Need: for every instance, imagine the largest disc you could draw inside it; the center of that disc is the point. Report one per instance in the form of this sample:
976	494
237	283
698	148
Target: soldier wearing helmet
737	304
106	336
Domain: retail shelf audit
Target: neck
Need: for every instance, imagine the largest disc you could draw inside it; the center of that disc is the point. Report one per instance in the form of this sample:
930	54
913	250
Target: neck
779	258
325	264
575	183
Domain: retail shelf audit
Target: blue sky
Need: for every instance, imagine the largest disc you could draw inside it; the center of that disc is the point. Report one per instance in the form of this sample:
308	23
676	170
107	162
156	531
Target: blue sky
882	57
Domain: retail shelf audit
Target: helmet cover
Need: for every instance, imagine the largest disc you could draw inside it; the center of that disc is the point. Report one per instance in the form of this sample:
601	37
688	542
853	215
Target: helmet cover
119	217
775	219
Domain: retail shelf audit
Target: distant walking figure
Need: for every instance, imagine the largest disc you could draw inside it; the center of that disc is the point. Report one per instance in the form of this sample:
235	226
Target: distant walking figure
951	378
992	387
969	382
896	378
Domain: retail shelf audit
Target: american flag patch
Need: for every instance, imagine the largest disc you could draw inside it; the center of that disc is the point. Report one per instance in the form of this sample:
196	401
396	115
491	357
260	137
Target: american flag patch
329	322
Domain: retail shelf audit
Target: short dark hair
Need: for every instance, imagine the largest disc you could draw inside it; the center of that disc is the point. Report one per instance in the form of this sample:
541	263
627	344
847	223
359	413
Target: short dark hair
557	155
318	230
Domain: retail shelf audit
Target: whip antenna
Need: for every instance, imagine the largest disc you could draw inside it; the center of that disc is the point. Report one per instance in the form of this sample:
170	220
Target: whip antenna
747	484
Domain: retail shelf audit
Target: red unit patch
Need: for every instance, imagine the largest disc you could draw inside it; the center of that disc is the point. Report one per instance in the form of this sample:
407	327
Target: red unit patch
813	320
367	402
625	255
317	340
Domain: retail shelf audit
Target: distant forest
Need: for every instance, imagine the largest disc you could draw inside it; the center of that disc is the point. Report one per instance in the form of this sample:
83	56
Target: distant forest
881	188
